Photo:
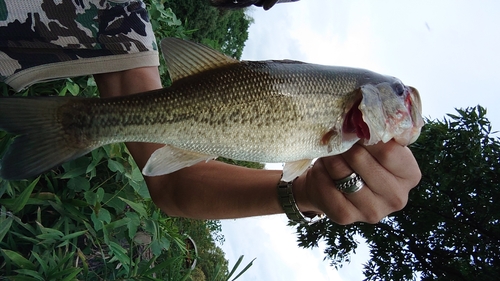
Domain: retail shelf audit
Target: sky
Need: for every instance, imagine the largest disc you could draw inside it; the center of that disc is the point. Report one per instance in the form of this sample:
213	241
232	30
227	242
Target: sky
448	50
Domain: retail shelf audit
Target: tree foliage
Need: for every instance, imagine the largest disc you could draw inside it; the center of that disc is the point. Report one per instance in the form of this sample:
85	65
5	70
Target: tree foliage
450	228
224	30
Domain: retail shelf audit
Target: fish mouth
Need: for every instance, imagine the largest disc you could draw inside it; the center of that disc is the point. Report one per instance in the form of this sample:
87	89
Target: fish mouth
383	114
354	123
413	107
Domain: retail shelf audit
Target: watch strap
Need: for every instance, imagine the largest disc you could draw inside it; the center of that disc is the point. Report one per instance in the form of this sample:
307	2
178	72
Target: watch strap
287	201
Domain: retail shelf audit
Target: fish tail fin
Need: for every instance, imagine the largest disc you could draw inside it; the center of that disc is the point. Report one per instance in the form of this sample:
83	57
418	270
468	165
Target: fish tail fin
41	143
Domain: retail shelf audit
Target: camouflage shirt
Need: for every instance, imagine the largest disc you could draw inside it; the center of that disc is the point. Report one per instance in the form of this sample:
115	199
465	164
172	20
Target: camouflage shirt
49	39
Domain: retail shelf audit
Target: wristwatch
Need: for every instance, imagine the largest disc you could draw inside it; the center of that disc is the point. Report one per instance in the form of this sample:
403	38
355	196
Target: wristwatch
287	201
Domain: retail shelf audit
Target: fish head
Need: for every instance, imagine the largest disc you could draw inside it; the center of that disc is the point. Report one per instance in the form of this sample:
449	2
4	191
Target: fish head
391	110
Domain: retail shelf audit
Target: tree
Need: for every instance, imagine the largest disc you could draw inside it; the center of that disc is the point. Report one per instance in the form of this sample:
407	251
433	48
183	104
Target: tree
450	228
224	30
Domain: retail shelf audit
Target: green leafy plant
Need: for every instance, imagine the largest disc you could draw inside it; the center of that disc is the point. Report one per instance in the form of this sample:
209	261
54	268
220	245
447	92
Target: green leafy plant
90	219
218	274
93	218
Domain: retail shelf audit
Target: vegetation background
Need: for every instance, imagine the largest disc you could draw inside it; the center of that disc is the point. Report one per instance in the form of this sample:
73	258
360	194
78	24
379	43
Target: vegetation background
450	228
93	218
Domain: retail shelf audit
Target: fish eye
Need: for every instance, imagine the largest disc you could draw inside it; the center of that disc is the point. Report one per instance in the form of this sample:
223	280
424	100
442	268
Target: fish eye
399	88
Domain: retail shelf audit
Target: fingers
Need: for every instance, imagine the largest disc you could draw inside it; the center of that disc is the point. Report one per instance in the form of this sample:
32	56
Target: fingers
388	170
398	160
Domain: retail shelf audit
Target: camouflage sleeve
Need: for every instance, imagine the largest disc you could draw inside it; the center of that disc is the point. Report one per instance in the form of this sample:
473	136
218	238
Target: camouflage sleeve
51	39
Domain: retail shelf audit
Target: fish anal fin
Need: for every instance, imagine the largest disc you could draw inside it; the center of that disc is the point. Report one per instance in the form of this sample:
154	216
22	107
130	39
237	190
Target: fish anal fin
295	169
169	159
186	58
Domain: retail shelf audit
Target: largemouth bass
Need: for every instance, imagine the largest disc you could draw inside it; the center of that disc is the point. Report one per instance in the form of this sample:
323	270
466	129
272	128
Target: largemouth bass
261	111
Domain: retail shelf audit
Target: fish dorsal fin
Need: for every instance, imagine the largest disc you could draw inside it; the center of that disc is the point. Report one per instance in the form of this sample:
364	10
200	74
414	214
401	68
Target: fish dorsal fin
169	159
185	58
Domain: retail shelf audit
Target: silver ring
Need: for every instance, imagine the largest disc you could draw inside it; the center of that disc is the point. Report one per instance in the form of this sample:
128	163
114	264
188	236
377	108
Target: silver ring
350	184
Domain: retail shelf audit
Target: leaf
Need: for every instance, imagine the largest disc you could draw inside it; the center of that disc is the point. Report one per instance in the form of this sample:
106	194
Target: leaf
139	208
19	202
50	236
120	253
141	188
79	184
75	168
41	262
115	166
117	223
19	260
31	273
73	274
84	262
136	174
244	269
111	200
164	243
5	227
156	247
100	194
113	150
21	278
72	271
97	222
73	235
133	223
104	215
73	88
90	197
22	237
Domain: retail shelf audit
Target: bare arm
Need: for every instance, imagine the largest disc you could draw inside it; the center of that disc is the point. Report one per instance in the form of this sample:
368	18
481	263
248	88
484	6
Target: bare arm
216	190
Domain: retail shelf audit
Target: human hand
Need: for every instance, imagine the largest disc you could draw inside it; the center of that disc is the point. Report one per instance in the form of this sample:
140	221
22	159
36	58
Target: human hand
389	171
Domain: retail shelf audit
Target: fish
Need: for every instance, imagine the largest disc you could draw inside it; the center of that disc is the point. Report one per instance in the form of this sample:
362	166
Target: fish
274	111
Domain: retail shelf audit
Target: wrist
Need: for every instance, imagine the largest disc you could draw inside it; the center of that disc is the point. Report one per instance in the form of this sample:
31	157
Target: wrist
302	198
290	207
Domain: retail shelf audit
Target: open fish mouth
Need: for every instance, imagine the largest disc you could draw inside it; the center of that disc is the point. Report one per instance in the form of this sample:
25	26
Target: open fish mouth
354	124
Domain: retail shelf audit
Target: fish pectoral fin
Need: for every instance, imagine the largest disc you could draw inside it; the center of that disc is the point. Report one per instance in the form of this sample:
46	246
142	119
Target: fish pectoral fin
169	159
295	169
185	58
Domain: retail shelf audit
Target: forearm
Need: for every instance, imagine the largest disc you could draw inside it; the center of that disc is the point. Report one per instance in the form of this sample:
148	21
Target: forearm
212	190
216	190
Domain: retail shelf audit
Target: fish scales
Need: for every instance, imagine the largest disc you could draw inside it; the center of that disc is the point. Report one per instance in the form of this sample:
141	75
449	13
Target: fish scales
234	112
264	111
